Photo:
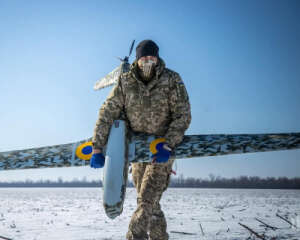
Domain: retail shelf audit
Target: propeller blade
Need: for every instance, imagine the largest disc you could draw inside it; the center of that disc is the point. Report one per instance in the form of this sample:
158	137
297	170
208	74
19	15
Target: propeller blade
122	60
131	48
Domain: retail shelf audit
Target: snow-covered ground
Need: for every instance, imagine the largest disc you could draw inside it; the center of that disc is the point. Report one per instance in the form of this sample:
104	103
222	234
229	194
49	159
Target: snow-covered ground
77	213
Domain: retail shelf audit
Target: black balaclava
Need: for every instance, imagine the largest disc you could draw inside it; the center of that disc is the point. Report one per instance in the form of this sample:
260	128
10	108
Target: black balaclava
146	48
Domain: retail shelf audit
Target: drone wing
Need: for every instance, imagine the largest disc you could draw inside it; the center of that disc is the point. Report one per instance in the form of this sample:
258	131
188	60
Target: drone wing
63	155
68	155
221	144
112	77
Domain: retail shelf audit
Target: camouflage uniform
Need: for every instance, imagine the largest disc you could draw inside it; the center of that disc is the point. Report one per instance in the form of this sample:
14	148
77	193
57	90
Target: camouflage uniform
161	107
150	180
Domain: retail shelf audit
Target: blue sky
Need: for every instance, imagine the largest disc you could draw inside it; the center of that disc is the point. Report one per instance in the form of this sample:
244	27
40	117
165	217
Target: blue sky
239	61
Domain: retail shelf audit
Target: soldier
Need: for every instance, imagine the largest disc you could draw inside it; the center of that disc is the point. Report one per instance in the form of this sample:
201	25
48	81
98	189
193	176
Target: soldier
154	101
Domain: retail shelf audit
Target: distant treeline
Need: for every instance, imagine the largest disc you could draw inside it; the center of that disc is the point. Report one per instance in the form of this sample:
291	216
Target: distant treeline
177	182
49	183
240	182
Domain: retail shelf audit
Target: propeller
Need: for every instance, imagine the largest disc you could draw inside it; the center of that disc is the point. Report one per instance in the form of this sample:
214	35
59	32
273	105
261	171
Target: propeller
125	60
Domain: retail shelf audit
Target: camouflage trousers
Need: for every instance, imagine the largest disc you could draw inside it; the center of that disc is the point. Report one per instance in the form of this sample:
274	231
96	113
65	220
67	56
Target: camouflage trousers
150	180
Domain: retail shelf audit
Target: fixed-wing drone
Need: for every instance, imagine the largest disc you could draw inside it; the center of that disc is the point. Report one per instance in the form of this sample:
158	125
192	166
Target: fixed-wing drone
125	147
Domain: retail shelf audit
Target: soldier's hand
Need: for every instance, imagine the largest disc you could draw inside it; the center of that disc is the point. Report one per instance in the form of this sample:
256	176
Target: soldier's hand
97	160
163	153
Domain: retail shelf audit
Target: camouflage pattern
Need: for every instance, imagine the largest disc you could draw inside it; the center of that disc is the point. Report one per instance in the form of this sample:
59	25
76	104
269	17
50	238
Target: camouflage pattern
160	107
150	180
191	146
43	157
112	77
221	144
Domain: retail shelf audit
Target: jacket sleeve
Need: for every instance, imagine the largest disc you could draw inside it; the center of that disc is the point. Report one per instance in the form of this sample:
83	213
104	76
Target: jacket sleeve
109	111
180	112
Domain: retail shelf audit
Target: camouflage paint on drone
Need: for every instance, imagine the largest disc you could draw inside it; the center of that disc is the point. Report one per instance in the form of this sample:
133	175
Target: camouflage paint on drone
191	146
43	157
112	77
221	144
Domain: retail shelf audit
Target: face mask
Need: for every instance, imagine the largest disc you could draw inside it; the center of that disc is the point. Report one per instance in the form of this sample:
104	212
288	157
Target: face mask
147	68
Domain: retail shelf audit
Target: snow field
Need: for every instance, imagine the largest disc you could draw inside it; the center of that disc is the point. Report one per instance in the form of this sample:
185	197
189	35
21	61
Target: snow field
77	214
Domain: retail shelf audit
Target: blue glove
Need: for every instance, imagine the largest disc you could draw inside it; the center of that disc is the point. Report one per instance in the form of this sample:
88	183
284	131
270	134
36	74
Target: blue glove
97	160
162	154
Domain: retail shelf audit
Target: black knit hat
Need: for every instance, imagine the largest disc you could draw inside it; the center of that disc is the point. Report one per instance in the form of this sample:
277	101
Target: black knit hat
146	48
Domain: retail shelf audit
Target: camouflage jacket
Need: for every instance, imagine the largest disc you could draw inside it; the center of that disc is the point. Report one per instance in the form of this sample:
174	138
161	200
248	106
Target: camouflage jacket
160	108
